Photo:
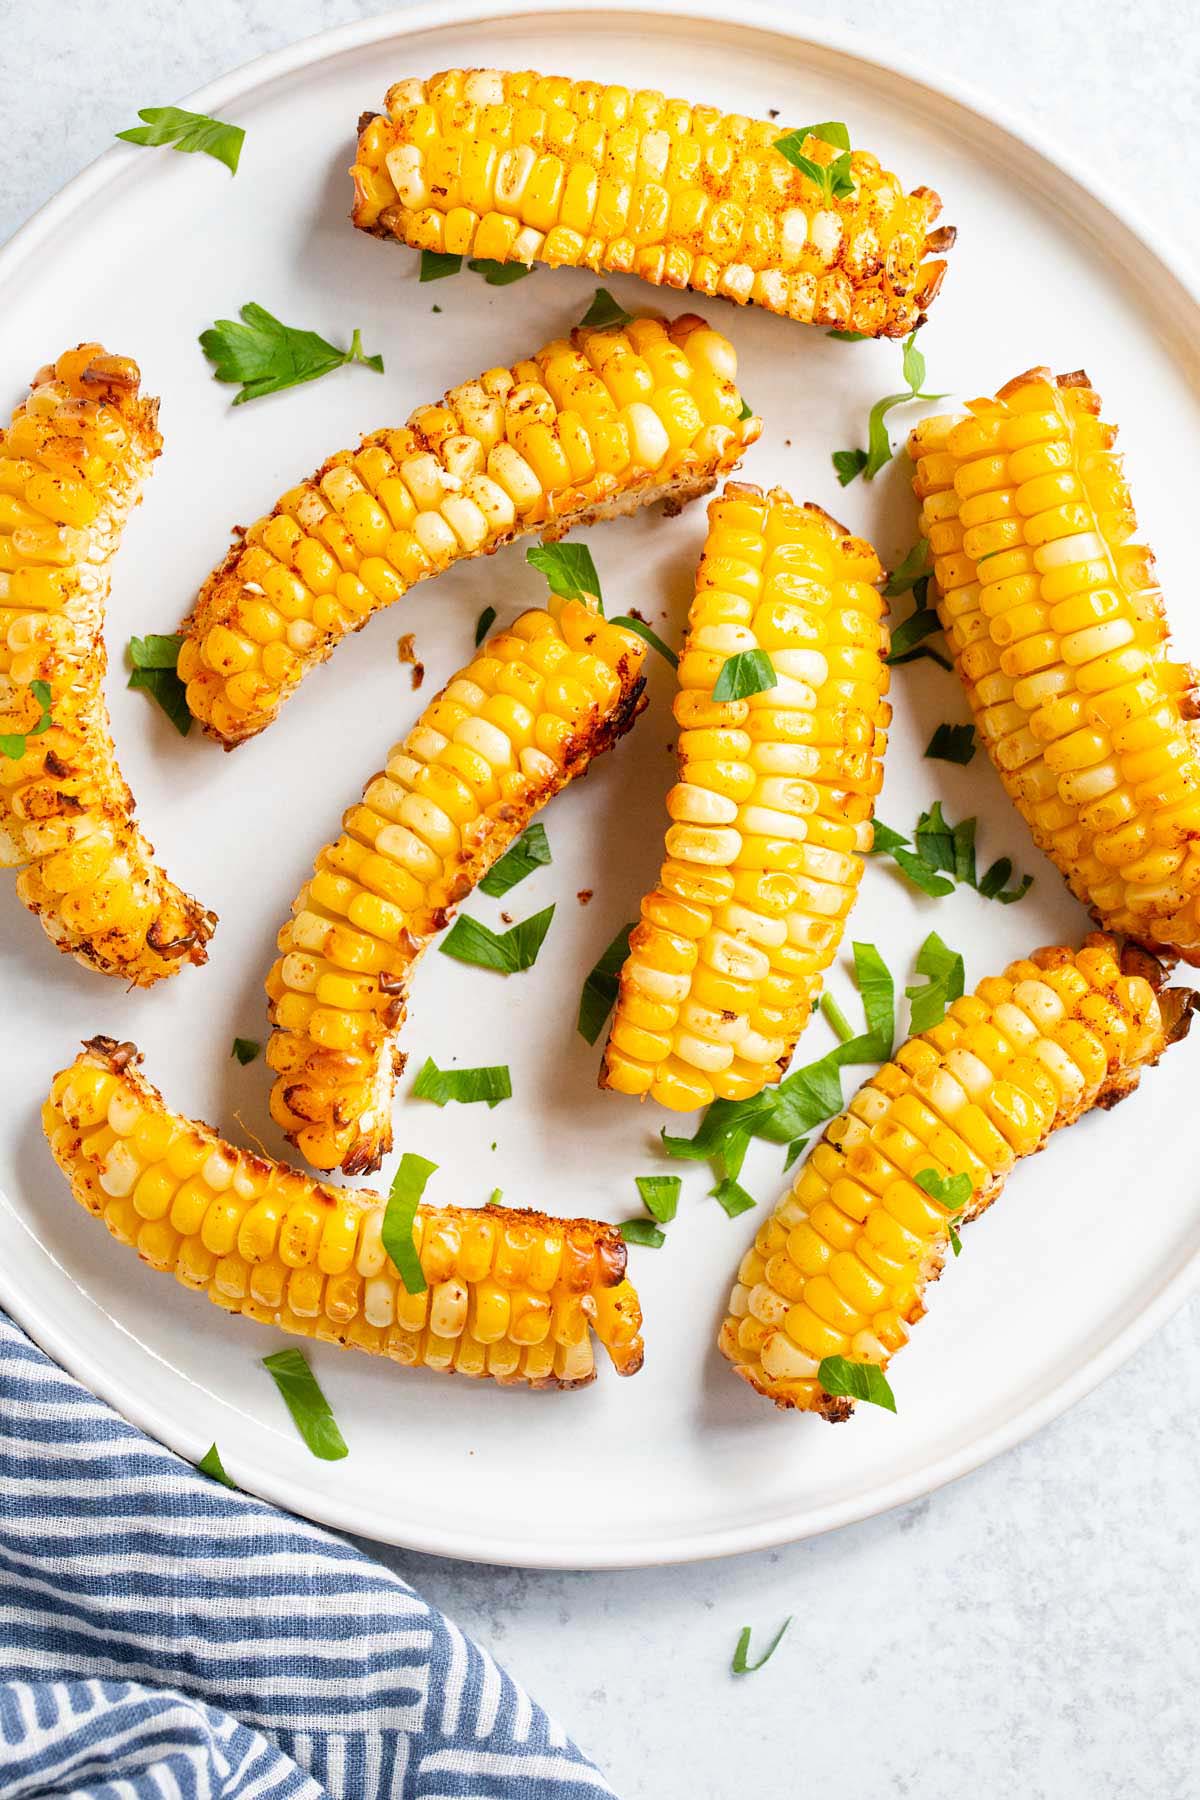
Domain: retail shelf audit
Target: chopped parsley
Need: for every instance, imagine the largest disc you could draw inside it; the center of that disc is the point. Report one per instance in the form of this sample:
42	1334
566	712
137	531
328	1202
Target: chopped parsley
188	131
600	989
569	570
508	952
154	658
860	1380
266	355
308	1406
747	672
408	1184
492	1084
531	851
879	449
740	1665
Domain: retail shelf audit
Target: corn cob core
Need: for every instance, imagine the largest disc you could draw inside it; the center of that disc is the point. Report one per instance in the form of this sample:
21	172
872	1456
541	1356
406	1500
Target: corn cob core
1058	633
771	817
526	716
591	426
511	1294
841	1266
521	167
72	465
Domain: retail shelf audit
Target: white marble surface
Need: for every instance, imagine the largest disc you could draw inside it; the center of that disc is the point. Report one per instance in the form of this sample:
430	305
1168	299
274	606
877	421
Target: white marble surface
1032	1631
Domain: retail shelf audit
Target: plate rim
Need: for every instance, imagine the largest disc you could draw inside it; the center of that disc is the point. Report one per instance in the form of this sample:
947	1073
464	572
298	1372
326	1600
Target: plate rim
1021	1421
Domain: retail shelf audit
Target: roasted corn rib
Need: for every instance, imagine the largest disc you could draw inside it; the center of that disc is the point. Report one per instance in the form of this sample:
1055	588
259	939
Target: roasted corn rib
1058	632
511	1294
840	1268
591	426
771	817
72	465
521	167
525	716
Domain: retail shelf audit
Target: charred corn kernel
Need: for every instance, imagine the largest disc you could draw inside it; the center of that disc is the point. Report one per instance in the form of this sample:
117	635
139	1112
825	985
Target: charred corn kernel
449	804
573	173
560	439
859	1238
1061	643
713	968
72	465
510	1293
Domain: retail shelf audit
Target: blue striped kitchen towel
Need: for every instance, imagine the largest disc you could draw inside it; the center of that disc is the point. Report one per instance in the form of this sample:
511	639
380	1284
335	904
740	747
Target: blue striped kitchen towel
165	1638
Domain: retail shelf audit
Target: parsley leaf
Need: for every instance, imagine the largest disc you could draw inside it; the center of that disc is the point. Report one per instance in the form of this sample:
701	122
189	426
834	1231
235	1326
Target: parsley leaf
484	623
860	1380
660	1195
605	312
950	1191
266	355
154	658
649	637
740	1666
600	989
308	1406
909	570
492	1084
14	744
795	1149
408	1184
437	264
499	274
747	412
952	744
644	1232
847	464
508	952
569	570
944	968
188	131
944	850
245	1049
210	1464
732	1197
991	884
531	851
746	672
849	337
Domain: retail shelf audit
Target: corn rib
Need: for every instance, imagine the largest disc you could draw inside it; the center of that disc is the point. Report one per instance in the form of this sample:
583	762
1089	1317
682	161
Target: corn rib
521	167
511	1294
1058	632
72	464
771	816
525	717
588	428
841	1267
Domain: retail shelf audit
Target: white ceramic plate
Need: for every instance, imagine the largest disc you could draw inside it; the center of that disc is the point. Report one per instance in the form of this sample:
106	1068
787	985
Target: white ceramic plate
1082	1259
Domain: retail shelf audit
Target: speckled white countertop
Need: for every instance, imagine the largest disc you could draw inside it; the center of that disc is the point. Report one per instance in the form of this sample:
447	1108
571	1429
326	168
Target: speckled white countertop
1032	1633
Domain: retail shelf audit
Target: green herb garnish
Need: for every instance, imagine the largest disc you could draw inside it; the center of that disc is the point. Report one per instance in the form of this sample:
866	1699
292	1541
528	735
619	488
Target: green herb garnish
951	1192
644	1232
833	179
732	1197
747	412
437	264
404	1197
859	1380
660	1195
508	952
600	989
835	1017
952	744
847	464
14	744
154	659
849	337
210	1464
266	355
491	1085
245	1049
879	449
188	131
943	850
308	1406
499	274
909	570
747	672
946	983
531	851
740	1666
569	570
605	312
497	1194
648	636
484	623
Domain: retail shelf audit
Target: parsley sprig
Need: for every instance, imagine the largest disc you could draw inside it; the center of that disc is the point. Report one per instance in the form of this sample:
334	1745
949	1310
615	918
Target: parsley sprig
952	1192
266	355
858	1380
849	463
188	131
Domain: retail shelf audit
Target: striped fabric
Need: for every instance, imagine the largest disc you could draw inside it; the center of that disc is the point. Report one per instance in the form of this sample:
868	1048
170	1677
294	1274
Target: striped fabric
164	1636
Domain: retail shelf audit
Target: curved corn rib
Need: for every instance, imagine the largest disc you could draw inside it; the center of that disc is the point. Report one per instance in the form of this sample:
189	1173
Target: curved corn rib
588	428
841	1267
1058	633
521	167
72	465
526	716
771	817
511	1294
